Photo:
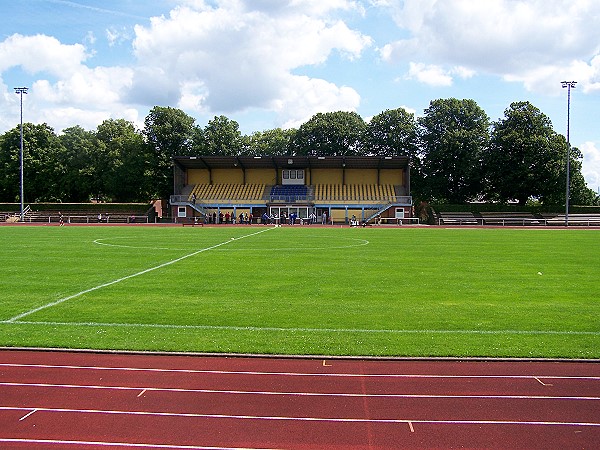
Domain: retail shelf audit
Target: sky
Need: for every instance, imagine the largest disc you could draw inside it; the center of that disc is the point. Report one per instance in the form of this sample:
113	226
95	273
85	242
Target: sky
276	63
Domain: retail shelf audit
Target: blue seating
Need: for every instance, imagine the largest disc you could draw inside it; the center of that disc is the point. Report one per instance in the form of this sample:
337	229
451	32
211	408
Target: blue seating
289	193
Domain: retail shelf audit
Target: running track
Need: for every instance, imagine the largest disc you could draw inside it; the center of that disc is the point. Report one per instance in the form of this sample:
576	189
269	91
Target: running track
69	400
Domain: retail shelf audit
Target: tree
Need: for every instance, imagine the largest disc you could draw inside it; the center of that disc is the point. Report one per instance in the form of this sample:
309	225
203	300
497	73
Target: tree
126	173
198	141
453	134
169	132
274	142
9	166
81	180
222	137
580	193
42	172
330	134
526	157
391	133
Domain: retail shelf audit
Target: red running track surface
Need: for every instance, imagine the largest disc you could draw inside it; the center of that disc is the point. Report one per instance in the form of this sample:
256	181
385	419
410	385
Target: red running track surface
52	400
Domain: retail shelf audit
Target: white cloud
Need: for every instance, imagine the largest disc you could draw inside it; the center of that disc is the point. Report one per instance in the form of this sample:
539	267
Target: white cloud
243	54
534	42
206	56
116	36
302	97
90	38
591	164
429	74
193	96
41	53
91	88
433	75
64	90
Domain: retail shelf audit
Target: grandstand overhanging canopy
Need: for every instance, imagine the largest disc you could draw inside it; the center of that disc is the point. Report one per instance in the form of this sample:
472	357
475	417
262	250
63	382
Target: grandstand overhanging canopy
288	162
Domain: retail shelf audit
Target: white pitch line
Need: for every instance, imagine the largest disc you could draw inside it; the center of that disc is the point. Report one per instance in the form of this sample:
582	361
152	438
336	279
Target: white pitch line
120	444
298	418
302	330
128	277
293	393
298	374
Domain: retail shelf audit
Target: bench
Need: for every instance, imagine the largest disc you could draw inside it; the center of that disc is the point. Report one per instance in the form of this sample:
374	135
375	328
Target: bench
458	218
500	218
396	220
190	221
585	220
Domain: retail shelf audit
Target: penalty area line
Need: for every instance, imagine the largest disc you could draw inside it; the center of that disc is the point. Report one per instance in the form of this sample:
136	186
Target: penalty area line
128	277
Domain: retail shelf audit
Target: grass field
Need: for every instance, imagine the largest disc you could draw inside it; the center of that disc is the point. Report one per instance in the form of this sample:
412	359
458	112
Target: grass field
303	290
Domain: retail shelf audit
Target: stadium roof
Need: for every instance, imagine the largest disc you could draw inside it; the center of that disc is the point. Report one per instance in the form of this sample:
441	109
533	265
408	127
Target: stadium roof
289	162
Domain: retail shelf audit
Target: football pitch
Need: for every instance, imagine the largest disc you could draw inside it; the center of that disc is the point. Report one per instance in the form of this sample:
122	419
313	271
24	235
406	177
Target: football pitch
303	290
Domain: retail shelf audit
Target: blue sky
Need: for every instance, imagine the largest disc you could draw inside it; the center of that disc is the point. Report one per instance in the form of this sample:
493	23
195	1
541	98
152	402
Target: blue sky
275	63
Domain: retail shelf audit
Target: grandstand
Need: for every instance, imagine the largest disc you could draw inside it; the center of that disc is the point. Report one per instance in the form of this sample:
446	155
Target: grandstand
334	189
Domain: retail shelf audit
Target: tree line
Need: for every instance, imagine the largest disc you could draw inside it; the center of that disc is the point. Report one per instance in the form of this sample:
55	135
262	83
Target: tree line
457	153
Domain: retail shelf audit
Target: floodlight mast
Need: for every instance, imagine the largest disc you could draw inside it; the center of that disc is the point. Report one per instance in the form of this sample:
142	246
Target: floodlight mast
568	85
20	91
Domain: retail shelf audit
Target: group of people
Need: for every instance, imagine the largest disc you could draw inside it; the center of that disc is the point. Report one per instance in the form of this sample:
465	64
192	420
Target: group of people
291	219
246	218
243	218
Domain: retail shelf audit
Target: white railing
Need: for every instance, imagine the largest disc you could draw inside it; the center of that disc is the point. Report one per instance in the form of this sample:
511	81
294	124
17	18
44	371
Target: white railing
74	218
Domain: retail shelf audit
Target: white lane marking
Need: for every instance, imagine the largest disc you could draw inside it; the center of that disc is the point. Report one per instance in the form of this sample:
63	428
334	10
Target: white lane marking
298	418
27	415
292	393
128	277
120	444
298	374
541	382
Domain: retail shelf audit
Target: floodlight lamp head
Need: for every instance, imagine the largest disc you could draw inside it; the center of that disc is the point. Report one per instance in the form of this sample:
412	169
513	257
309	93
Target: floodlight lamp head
568	84
21	90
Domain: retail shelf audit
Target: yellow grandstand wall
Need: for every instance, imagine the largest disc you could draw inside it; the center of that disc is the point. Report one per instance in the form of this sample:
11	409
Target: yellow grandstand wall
198	176
391	176
338	215
355	212
326	176
227	176
361	176
261	176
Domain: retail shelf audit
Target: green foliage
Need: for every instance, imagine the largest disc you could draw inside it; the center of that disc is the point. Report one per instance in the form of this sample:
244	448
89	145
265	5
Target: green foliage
126	161
269	143
81	156
526	157
222	136
452	157
580	193
169	132
373	291
391	133
42	171
9	165
454	134
330	134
